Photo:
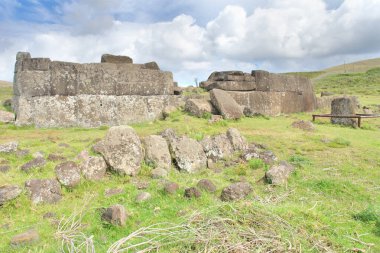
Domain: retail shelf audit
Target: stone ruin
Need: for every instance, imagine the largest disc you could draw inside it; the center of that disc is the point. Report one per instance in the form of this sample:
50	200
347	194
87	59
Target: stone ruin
262	92
114	92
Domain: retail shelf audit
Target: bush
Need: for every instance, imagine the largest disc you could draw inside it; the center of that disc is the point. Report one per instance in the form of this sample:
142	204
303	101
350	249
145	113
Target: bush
256	164
367	215
299	161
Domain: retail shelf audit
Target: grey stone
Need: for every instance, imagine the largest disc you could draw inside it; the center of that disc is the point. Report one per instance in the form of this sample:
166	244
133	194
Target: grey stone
171	187
215	118
94	168
143	196
236	191
238	142
38	154
68	174
9	192
326	94
199	107
343	107
113	191
84	155
304	125
225	104
43	190
157	152
279	174
109	58
6	117
115	215
56	158
159	173
22	152
192	192
22	55
268	157
188	154
25	238
151	65
9	147
207	185
4	168
33	164
168	134
217	147
122	150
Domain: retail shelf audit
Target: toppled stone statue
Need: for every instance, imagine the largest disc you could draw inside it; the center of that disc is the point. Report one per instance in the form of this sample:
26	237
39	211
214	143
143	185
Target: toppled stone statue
115	92
264	93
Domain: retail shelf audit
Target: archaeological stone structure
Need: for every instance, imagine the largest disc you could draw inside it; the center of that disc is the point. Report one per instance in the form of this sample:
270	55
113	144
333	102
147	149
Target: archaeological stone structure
114	92
262	92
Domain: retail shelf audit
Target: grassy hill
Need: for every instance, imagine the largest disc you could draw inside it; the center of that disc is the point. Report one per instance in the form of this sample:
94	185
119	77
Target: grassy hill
330	204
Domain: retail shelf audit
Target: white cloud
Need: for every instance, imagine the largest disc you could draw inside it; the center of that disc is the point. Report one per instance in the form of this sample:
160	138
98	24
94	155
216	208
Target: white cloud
281	35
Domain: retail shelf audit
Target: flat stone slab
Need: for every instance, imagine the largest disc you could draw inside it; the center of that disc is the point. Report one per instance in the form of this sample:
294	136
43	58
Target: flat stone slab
225	104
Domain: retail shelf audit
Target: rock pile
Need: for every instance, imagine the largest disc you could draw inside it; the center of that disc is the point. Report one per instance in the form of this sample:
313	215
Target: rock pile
260	92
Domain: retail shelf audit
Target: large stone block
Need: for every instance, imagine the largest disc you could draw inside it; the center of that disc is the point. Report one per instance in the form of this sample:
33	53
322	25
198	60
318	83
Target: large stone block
199	107
63	80
109	58
226	104
343	107
232	85
32	83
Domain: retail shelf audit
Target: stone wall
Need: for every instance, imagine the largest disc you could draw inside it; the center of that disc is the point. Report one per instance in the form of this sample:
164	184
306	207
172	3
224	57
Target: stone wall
62	94
265	93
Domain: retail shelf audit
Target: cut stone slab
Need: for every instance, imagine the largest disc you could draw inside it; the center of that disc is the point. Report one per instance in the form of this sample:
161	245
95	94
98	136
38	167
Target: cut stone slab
188	154
157	152
115	215
225	104
206	185
68	174
33	164
217	147
6	117
122	150
9	147
94	168
279	174
44	190
343	107
236	191
27	237
9	192
239	143
199	107
109	58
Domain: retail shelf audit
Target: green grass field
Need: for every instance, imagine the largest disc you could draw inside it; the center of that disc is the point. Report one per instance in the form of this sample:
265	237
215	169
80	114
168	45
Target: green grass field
330	204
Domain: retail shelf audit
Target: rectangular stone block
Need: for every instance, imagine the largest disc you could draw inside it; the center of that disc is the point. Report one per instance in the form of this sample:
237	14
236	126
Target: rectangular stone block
40	64
64	78
31	83
232	86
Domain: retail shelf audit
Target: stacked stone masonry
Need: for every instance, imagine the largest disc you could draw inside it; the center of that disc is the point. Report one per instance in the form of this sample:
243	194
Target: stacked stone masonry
265	93
115	92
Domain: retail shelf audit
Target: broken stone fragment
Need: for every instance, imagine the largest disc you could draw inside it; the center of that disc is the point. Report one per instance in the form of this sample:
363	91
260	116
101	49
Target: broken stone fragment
43	190
27	237
236	191
94	168
225	104
9	192
109	58
9	147
68	174
115	215
279	174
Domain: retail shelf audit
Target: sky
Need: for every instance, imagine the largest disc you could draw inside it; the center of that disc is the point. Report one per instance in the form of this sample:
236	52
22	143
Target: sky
193	38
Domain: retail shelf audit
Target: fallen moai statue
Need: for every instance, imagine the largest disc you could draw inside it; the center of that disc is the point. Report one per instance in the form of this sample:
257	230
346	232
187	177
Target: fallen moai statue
115	92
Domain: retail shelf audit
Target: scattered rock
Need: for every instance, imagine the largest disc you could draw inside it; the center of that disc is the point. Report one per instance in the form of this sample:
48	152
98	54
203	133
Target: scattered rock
9	147
343	107
225	104
239	143
83	155
171	187
207	185
44	190
38	154
143	196
217	147
268	157
63	145
22	153
33	164
140	185
114	191
192	192
279	174
159	173
115	215
215	118
56	158
8	193
169	134
27	237
252	152
326	94
94	168
122	150
7	103
236	191
188	154
109	58
199	107
68	174
6	117
4	168
157	152
304	125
